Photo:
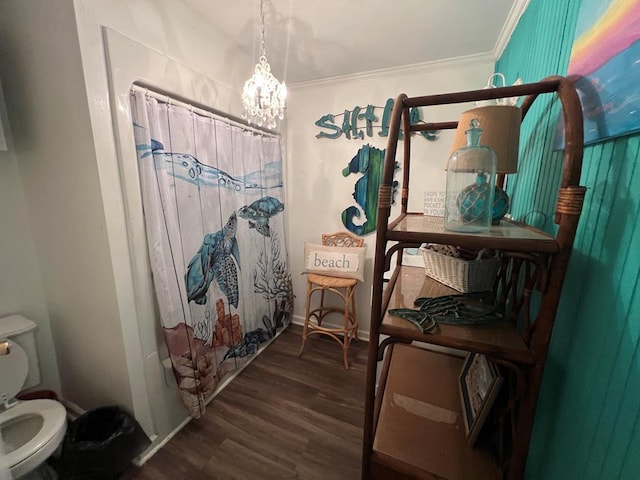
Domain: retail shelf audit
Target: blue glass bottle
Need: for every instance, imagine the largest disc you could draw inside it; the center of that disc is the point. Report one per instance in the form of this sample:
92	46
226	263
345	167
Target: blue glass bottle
471	178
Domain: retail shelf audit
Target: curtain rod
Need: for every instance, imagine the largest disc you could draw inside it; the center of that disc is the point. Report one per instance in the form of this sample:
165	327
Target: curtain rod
172	99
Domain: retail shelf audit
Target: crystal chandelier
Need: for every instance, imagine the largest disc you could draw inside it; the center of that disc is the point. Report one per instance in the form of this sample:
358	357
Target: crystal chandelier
263	96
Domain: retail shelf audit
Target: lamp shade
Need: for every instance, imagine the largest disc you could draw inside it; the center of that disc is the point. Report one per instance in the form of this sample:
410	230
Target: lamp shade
500	126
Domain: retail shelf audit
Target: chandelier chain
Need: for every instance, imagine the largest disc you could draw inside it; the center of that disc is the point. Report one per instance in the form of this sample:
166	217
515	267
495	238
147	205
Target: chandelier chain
263	96
263	45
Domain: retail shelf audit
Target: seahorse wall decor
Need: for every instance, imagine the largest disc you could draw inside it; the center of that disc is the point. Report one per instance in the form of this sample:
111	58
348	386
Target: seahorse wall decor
368	161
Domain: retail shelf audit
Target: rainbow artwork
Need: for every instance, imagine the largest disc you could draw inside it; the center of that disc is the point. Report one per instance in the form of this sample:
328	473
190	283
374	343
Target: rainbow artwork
605	60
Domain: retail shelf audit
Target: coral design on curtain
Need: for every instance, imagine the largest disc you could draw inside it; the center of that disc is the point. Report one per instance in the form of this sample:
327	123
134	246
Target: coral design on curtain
212	197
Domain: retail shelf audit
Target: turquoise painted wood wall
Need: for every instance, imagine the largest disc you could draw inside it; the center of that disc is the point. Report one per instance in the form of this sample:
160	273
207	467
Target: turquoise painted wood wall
588	419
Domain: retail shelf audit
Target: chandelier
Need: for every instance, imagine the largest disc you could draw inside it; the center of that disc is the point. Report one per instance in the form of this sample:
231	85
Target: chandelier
263	96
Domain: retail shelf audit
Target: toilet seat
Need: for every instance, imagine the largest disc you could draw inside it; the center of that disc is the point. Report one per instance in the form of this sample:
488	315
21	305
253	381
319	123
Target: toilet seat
40	446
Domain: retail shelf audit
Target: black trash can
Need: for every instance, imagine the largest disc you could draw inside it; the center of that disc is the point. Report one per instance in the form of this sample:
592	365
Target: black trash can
100	444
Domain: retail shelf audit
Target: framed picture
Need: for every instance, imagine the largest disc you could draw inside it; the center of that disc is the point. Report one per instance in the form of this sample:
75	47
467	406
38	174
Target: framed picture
603	64
479	383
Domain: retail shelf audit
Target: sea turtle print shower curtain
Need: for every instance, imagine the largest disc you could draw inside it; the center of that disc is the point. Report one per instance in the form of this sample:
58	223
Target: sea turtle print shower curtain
212	195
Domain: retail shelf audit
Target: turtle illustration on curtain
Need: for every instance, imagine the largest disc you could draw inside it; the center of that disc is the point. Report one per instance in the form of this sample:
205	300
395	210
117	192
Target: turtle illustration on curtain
259	212
215	259
222	284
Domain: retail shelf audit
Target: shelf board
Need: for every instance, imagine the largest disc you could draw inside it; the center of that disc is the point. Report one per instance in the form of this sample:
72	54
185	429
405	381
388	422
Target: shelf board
420	430
501	340
509	235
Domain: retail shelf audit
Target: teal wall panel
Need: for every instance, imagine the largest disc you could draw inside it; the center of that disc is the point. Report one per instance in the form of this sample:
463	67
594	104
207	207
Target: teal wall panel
588	419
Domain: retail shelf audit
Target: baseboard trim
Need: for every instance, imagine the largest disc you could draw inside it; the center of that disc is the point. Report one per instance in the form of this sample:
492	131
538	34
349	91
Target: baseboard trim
141	459
73	409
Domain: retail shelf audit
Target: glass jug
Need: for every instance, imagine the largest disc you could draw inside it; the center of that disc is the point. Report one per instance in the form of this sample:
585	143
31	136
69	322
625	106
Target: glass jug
471	178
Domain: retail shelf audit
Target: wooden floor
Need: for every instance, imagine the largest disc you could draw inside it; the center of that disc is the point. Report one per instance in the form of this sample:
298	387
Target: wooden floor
281	418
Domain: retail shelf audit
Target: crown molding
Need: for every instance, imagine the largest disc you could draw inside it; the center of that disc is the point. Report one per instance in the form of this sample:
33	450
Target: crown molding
516	12
413	69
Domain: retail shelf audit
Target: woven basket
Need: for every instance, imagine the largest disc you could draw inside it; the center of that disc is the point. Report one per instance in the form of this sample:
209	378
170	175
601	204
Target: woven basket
465	276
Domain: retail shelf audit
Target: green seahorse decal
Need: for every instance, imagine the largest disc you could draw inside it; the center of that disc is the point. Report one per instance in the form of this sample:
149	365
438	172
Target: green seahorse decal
368	161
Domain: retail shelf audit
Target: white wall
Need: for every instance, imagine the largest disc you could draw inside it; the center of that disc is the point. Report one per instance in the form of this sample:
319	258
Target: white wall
55	156
317	191
20	280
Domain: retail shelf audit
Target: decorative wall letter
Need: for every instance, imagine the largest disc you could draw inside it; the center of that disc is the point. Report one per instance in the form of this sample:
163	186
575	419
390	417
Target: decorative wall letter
350	123
327	121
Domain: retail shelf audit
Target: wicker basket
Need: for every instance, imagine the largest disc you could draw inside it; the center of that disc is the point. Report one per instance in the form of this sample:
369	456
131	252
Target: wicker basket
466	276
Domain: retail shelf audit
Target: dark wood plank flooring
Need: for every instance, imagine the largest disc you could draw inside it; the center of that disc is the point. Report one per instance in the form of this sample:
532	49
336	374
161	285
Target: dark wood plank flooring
282	418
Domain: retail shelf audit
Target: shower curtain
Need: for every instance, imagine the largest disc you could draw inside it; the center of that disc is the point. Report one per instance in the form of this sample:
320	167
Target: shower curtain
212	195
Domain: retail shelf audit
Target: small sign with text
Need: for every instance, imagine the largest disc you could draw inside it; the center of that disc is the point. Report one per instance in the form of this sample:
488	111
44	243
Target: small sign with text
434	204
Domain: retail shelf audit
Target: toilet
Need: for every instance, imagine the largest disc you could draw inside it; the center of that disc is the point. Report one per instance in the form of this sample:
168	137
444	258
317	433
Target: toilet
31	430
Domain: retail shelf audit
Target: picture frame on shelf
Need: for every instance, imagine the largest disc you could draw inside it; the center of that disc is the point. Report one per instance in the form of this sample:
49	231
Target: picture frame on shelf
479	383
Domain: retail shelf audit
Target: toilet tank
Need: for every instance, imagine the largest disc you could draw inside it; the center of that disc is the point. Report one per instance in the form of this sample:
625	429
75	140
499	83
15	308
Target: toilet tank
21	330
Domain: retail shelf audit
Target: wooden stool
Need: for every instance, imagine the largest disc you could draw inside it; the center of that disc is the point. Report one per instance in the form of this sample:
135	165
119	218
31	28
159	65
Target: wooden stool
344	288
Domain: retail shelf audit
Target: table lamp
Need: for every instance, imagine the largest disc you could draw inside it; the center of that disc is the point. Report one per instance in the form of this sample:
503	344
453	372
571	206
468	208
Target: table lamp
500	125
